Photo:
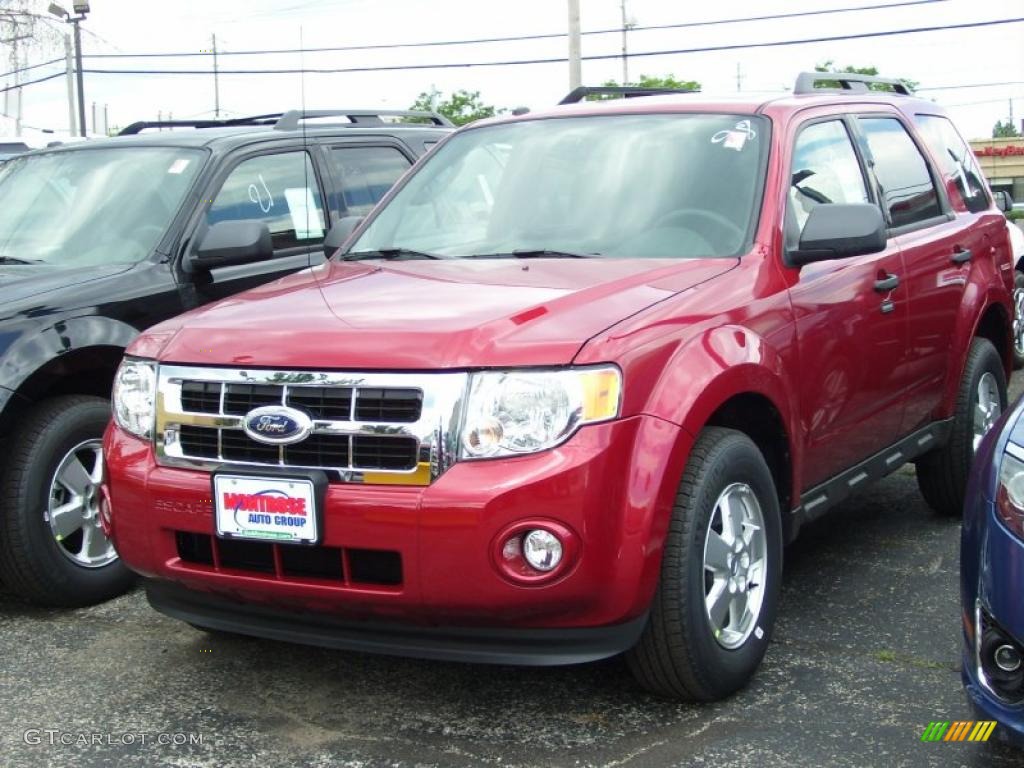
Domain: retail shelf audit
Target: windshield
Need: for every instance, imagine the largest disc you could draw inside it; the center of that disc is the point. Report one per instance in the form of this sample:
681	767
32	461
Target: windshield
91	207
622	186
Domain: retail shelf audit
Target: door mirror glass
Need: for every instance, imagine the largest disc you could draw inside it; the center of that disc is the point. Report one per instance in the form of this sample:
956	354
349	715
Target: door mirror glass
233	242
339	233
1003	201
838	231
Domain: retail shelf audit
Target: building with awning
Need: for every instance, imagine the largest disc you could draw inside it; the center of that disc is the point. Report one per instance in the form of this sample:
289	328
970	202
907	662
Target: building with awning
1002	162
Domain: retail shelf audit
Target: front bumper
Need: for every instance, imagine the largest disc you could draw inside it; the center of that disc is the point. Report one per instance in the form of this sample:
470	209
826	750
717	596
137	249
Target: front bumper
612	484
526	647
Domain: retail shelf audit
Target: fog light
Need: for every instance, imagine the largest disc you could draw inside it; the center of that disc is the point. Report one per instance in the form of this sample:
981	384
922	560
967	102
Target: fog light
1007	658
542	550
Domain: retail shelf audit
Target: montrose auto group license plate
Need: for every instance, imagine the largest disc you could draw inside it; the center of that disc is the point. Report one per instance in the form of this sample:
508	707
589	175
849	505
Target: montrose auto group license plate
269	509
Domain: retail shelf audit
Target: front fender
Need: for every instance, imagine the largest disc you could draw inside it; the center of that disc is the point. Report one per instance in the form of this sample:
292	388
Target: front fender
34	346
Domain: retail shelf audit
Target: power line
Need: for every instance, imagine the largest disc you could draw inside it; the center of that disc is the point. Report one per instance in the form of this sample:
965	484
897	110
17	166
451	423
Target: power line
33	66
516	38
970	85
32	82
555	60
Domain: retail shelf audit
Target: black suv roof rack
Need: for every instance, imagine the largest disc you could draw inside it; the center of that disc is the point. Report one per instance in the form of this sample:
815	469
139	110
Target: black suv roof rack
848	81
627	91
290	120
142	125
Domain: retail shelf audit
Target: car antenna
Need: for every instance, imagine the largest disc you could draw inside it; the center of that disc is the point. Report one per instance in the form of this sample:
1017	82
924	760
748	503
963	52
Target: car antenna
306	155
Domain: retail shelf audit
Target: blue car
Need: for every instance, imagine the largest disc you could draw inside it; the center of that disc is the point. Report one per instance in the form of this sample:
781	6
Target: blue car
992	577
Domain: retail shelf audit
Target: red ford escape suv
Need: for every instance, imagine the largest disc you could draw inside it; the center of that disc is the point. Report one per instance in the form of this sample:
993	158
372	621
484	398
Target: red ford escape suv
571	387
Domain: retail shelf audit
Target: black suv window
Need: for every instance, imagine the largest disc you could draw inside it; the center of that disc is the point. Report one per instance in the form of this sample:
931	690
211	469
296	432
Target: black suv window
956	160
279	189
366	174
825	170
906	185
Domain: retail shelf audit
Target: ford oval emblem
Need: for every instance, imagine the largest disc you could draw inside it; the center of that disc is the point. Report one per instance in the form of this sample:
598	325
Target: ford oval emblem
277	425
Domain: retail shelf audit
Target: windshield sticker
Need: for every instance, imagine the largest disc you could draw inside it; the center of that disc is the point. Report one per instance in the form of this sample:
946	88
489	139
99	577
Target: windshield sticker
737	137
179	165
256	195
307	220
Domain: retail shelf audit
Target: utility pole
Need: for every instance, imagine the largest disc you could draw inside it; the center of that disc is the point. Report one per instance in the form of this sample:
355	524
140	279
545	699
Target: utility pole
627	26
94	117
575	73
216	81
69	68
739	77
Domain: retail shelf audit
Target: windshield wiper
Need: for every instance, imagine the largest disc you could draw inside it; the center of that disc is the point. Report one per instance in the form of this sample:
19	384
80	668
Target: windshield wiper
15	260
534	253
394	254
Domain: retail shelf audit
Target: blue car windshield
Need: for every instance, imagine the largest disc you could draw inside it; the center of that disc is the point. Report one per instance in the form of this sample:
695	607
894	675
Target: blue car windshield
92	207
622	186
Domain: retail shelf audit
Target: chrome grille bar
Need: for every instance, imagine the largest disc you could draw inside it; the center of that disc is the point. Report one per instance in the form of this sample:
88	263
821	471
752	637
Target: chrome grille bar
433	432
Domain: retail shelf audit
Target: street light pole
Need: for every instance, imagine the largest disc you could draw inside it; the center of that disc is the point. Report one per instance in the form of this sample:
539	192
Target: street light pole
78	68
81	7
575	70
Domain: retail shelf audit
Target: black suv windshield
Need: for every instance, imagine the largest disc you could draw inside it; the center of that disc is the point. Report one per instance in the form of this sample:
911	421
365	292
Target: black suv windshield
92	206
620	186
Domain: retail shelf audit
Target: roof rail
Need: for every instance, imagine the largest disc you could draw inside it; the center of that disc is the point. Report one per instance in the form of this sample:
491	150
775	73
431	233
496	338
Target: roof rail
142	125
627	91
357	117
848	81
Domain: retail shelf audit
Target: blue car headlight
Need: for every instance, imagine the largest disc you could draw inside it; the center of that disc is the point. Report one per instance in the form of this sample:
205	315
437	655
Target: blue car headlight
1010	491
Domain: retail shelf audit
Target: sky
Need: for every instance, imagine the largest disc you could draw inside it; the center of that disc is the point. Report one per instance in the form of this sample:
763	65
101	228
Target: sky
947	61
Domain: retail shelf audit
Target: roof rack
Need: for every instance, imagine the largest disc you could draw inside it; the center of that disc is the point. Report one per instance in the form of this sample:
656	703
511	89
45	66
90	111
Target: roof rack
848	81
290	120
627	91
142	125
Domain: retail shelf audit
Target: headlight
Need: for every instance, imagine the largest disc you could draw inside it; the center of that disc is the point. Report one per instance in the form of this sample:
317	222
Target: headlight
517	412
1010	493
134	396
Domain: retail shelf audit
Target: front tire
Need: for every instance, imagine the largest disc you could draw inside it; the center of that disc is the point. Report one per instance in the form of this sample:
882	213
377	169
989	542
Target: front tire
942	473
52	549
714	609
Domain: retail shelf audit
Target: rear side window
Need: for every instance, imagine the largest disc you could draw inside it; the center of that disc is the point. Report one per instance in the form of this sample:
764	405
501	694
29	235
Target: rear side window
280	190
366	174
908	193
956	160
825	170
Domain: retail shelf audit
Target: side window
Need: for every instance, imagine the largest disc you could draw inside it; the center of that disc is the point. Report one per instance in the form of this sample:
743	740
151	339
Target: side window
825	170
907	189
280	190
366	174
956	160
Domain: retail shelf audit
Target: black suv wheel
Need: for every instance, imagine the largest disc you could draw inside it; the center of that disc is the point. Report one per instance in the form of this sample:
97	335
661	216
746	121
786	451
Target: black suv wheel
52	548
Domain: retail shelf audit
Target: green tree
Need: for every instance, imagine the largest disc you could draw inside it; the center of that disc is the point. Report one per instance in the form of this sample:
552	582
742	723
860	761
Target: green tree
1004	130
649	81
461	107
828	66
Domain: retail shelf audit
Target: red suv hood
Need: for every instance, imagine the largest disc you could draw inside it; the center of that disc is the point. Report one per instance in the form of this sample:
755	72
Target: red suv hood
429	314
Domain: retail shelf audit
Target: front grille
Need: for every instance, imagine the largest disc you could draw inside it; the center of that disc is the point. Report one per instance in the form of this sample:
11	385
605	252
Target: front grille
284	562
366	427
318	450
386	405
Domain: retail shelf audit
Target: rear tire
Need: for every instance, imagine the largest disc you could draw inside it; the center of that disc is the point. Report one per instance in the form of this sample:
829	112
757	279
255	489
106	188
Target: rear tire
689	649
942	473
81	567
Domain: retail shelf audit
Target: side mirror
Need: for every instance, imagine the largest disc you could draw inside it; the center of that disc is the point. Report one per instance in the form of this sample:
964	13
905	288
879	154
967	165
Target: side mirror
838	231
1003	201
233	242
339	233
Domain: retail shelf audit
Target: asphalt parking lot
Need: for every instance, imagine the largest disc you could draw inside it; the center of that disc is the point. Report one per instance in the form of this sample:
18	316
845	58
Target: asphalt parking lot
865	654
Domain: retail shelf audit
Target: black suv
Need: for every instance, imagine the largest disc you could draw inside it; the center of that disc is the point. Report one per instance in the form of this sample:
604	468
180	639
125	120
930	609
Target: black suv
102	239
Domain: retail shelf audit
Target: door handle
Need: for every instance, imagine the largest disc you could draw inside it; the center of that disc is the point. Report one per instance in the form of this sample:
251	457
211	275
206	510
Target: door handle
888	283
961	255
